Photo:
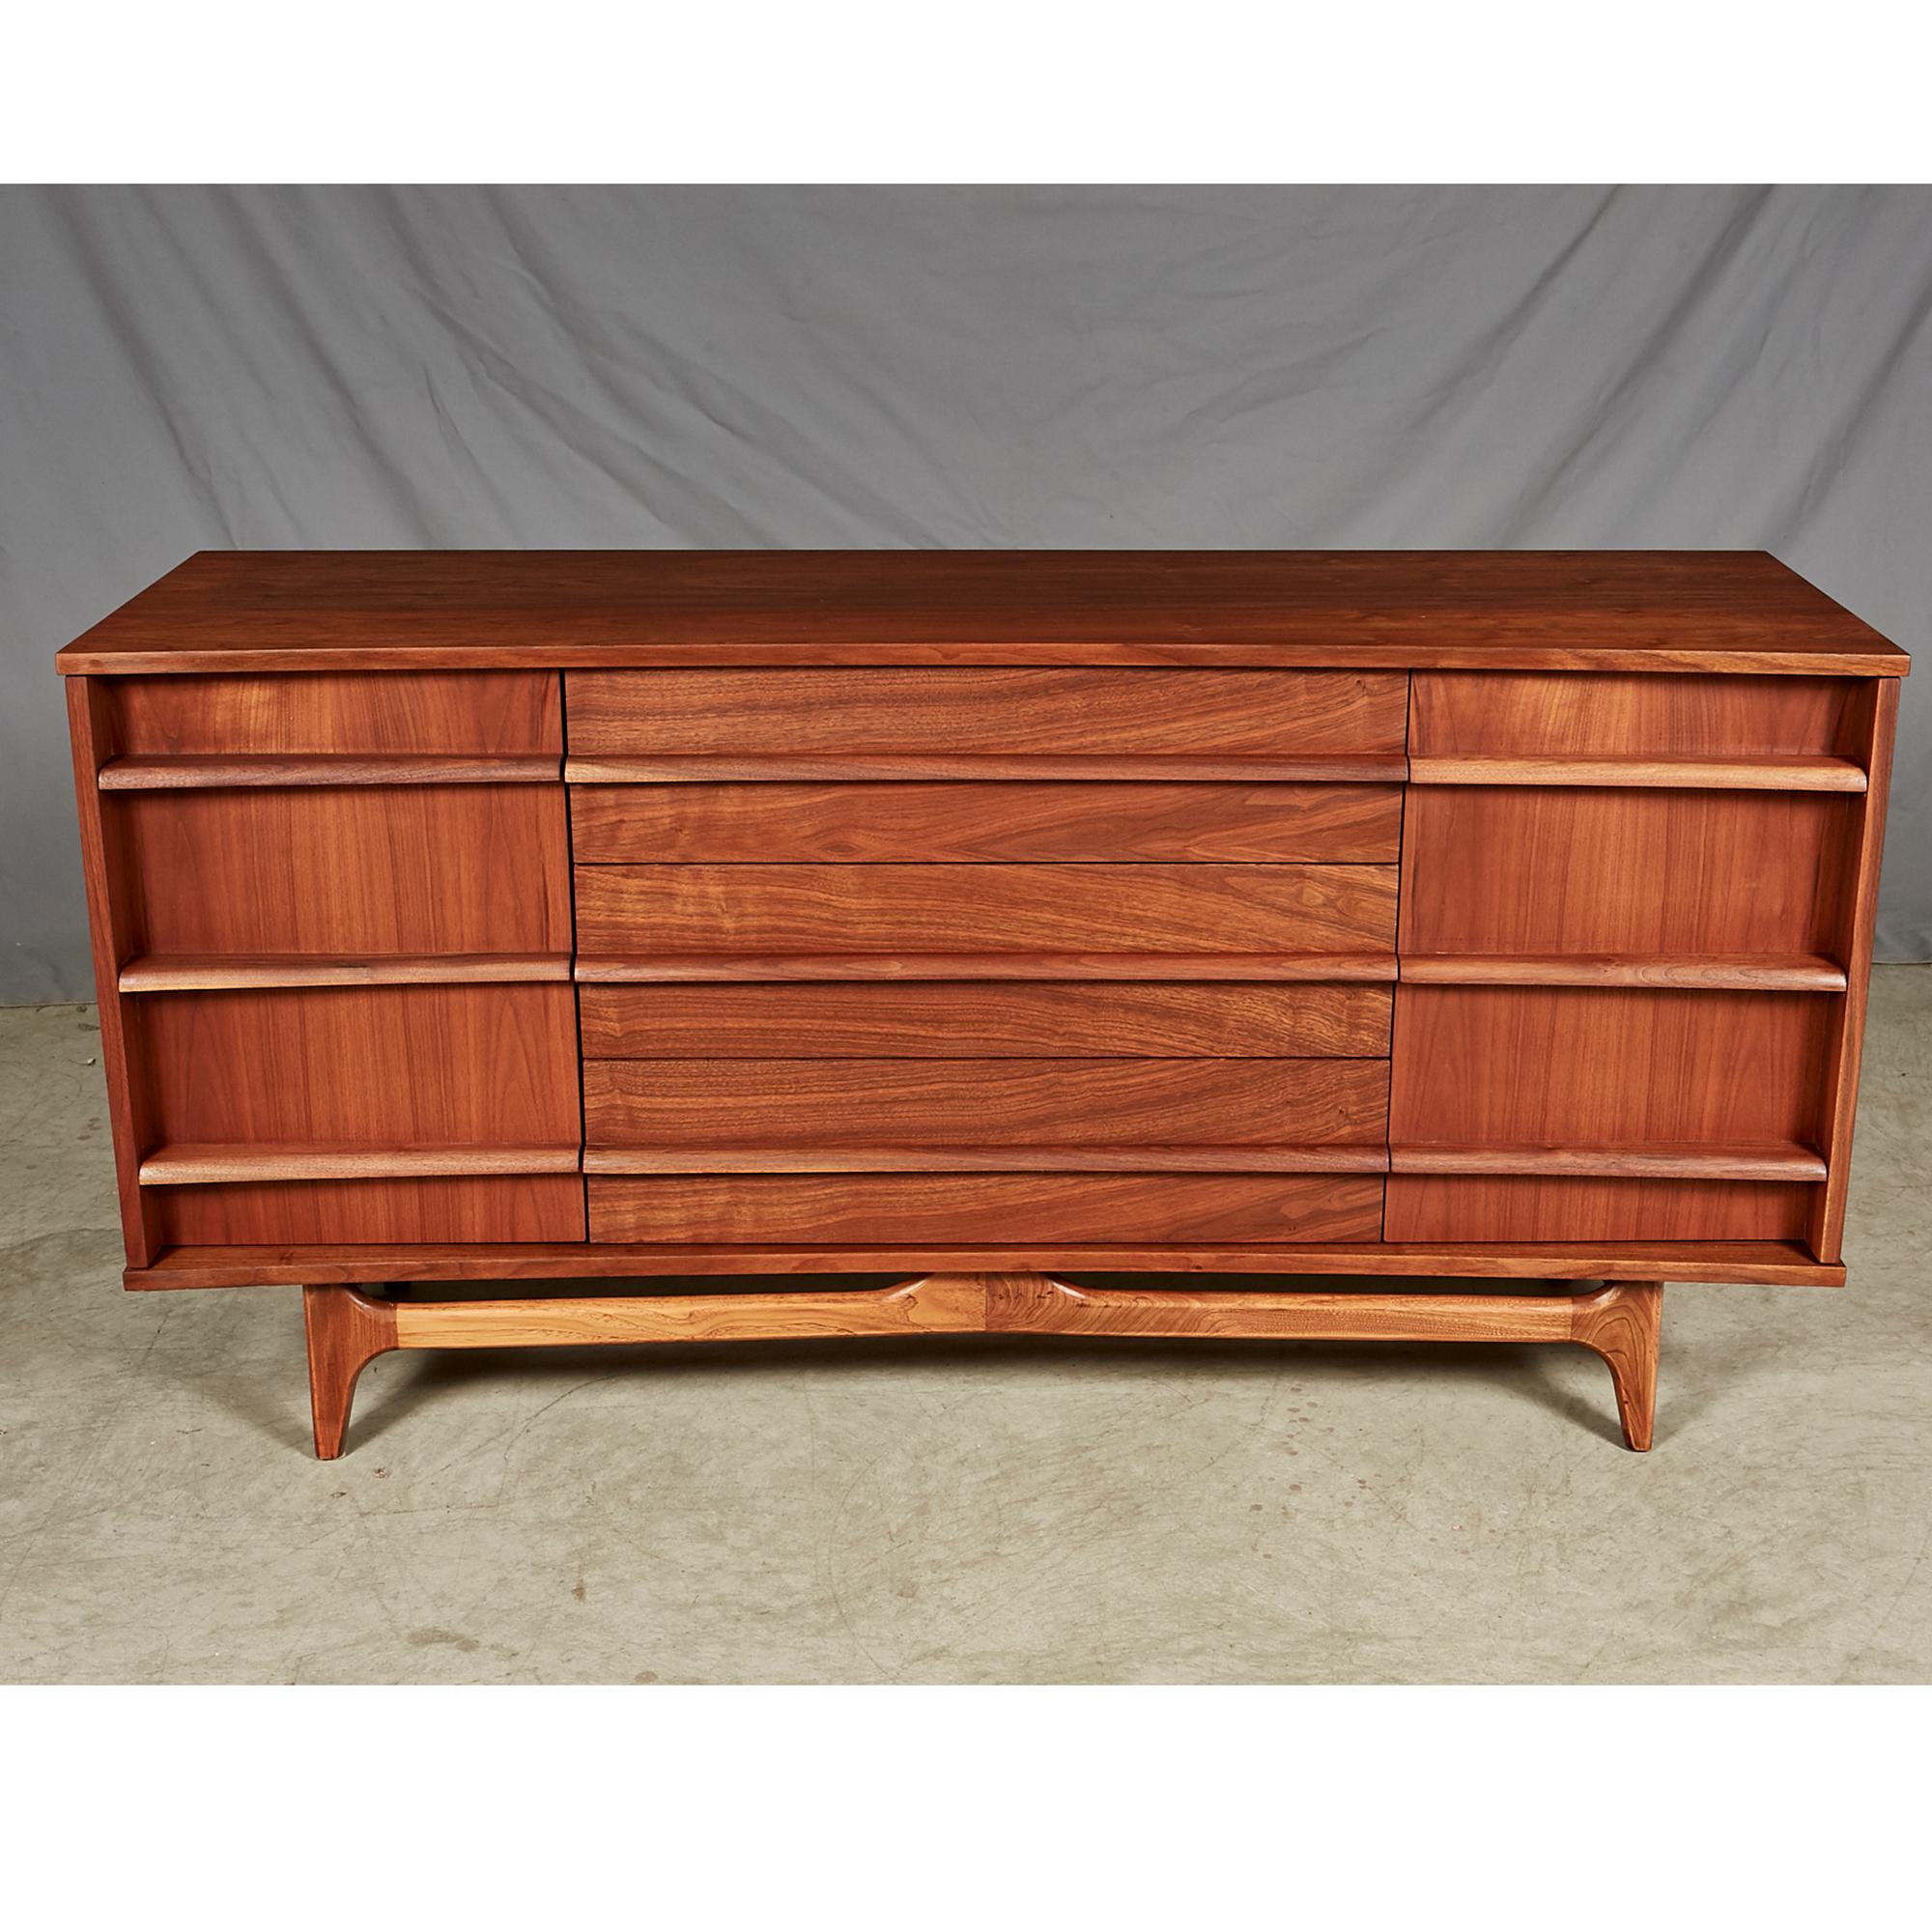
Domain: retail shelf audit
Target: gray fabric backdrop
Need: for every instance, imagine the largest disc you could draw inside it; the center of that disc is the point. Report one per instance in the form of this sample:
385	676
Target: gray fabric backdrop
190	368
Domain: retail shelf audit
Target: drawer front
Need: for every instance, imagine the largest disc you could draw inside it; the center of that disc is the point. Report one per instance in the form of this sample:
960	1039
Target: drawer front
330	713
349	871
732	823
1557	714
1580	1067
995	1209
944	1020
1064	712
367	1066
1015	909
510	1208
1526	870
817	1106
1520	1207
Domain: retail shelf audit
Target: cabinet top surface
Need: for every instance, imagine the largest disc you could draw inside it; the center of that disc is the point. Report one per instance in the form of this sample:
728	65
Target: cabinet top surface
295	611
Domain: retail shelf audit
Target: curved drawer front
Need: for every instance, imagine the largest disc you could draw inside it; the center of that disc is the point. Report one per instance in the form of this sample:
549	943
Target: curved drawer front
988	1208
1054	821
985	1019
911	909
1054	712
821	1107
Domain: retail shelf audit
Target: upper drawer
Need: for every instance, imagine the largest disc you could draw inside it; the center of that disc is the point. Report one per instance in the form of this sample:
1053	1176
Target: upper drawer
1596	715
324	713
1055	822
1303	716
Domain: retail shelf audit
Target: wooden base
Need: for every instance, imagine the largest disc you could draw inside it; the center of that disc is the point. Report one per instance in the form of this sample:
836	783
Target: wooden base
347	1330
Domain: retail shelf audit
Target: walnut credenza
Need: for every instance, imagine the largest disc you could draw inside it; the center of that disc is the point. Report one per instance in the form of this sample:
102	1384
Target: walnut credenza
993	922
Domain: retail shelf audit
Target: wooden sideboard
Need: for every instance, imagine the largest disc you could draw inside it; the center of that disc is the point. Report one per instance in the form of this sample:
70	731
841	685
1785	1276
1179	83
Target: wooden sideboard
994	923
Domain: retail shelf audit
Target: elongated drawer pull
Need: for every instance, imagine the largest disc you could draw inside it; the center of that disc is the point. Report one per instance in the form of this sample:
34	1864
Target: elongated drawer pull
1784	972
211	1162
860	767
987	1160
644	967
1654	1160
199	773
1752	774
211	972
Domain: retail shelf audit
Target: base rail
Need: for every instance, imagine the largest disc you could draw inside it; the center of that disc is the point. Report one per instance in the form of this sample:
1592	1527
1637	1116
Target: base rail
347	1328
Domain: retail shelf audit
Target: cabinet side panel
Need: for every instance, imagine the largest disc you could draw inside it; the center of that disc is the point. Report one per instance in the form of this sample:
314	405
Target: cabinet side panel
113	910
1870	727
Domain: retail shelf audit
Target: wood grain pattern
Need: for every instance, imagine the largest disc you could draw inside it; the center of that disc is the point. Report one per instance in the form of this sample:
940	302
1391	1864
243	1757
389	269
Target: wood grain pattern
941	1020
1623	1324
1510	1208
1509	1067
208	972
1054	822
1783	1264
1558	609
376	1067
806	909
824	1104
232	773
919	1207
1673	875
1514	714
469	869
1756	774
307	1214
112	886
1870	727
346	1330
333	714
900	710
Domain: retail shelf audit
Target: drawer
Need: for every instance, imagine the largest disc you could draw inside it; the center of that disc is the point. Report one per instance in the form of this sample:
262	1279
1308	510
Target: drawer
995	1209
1580	1067
367	1066
812	1112
963	1019
1527	871
510	1207
1345	911
1047	713
1558	715
1051	821
1520	1207
348	871
384	714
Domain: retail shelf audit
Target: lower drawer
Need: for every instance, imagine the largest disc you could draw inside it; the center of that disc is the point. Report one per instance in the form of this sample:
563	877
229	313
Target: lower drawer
996	1208
506	1207
1517	1207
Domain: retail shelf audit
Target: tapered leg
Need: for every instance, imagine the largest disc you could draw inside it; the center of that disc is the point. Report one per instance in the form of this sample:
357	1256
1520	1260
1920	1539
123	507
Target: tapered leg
1621	1324
345	1331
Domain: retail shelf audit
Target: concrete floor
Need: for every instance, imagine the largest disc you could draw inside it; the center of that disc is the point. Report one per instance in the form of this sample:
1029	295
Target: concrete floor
975	1510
